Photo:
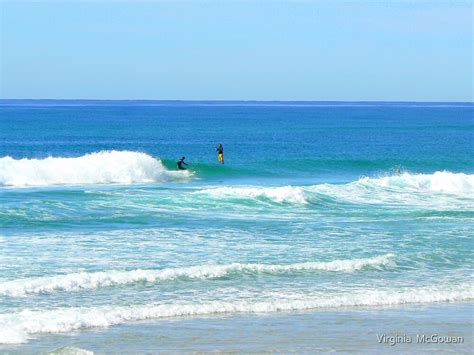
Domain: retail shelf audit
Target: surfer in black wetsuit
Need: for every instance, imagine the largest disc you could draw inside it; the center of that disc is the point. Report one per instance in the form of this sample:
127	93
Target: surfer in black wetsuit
180	163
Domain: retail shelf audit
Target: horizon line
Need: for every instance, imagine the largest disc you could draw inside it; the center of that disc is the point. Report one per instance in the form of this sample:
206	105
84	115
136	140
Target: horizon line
239	100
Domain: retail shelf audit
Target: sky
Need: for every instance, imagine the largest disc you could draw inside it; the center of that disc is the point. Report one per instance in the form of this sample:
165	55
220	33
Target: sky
237	50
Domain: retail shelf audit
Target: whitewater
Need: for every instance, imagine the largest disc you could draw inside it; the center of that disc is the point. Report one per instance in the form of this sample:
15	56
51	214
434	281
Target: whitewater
322	214
126	167
77	281
104	167
18	328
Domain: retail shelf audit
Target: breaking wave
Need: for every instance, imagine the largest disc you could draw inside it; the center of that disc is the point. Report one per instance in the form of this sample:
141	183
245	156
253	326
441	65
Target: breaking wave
19	327
404	188
85	280
288	194
440	181
103	167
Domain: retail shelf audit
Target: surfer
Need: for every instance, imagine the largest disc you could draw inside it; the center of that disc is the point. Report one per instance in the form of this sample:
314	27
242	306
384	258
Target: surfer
180	163
220	153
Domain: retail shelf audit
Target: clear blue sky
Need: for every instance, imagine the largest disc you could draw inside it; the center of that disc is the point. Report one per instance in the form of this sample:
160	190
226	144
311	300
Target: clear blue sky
262	50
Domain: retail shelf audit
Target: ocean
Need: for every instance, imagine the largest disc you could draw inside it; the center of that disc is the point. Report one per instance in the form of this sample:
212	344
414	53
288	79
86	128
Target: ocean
327	219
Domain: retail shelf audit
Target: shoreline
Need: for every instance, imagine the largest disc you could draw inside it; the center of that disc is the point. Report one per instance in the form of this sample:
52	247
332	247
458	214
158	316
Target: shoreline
341	330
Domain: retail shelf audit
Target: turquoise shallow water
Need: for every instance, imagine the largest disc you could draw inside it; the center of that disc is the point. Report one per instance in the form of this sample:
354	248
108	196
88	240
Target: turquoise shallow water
310	212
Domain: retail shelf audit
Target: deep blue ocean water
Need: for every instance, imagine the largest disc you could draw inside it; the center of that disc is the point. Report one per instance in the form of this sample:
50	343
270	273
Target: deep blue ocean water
319	205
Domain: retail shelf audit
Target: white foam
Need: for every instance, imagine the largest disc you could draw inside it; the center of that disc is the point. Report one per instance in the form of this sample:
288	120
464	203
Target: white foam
19	327
84	280
402	189
69	350
96	168
441	190
440	181
282	194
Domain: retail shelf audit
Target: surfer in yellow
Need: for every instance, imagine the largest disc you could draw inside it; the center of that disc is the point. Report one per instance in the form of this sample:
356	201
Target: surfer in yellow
220	153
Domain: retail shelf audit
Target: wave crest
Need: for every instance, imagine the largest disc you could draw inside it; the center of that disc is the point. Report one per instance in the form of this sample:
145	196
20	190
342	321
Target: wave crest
19	327
84	280
285	194
103	167
440	181
399	189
